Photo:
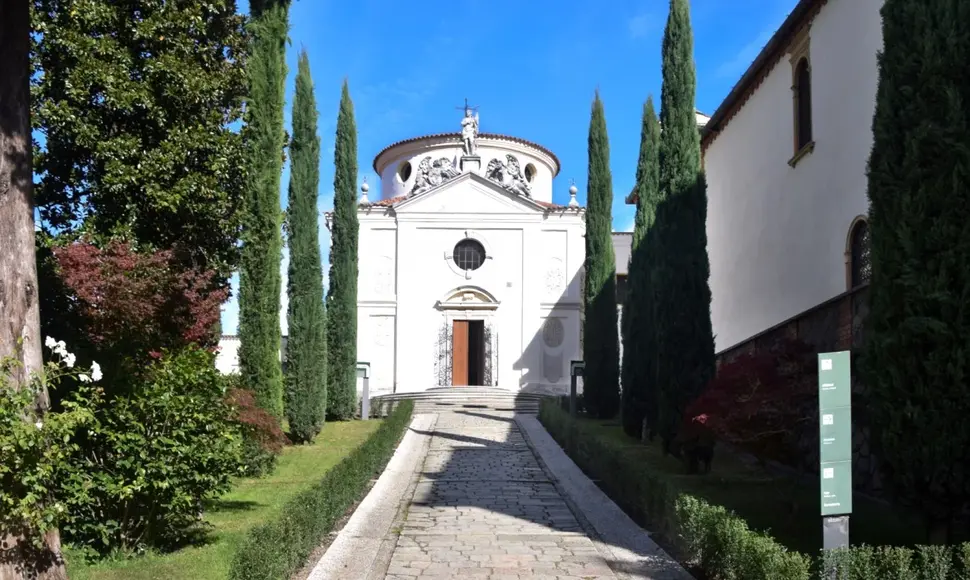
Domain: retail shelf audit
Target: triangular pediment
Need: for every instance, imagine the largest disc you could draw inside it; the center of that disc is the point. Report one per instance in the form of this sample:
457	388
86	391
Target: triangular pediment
468	193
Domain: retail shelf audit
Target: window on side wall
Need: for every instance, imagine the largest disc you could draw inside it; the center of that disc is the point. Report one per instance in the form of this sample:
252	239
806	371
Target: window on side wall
804	141
859	265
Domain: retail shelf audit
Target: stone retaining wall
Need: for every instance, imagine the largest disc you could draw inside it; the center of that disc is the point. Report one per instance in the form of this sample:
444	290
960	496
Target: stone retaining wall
834	325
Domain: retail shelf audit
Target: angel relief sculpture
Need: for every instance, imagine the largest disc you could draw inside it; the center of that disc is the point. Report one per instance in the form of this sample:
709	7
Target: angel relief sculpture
433	173
508	175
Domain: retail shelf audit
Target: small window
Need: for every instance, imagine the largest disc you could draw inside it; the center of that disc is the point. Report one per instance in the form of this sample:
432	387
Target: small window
860	266
803	105
404	172
469	254
530	172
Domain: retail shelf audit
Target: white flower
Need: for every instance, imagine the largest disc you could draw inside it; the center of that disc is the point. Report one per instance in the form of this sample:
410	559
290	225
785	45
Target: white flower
60	348
95	371
69	360
84	378
39	424
50	342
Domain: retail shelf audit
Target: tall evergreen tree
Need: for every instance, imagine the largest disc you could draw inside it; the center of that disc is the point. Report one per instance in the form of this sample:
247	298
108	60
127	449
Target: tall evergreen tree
342	294
601	393
918	329
682	313
259	277
137	102
306	348
639	345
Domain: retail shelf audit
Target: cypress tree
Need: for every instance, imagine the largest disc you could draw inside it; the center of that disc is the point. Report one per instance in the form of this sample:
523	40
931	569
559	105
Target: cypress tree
259	276
639	347
600	343
915	361
342	294
306	349
682	313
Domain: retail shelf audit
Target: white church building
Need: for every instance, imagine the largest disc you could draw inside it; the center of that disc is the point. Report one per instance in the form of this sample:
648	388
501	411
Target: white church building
468	273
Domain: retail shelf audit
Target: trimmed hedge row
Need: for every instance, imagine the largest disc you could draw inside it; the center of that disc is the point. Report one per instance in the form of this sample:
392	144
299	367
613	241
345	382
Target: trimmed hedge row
277	549
719	542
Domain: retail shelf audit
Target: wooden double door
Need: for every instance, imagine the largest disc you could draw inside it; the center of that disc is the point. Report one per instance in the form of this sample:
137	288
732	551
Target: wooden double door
468	352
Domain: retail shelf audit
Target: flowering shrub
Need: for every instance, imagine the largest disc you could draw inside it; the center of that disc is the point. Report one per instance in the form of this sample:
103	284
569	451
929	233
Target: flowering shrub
34	454
763	402
146	463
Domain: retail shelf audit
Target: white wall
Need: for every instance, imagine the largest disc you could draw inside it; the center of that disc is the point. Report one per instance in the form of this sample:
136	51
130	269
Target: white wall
776	233
406	268
227	354
227	357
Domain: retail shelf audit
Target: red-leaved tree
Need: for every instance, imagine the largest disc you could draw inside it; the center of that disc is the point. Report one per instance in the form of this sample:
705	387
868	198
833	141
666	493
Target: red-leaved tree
123	307
764	402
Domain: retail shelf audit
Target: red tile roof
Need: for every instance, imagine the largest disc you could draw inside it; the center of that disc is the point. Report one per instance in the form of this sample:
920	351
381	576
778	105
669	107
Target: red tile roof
385	202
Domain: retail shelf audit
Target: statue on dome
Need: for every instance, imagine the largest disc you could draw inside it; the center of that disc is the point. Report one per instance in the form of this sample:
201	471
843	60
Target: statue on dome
469	130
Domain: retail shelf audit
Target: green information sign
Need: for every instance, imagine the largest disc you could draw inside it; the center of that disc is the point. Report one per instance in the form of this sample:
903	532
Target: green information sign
835	432
834	380
836	488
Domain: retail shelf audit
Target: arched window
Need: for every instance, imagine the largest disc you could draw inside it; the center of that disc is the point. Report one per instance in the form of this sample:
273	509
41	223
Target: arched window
860	268
469	254
803	104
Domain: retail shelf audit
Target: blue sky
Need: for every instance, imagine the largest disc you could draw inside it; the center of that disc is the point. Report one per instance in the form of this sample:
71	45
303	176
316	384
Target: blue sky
531	67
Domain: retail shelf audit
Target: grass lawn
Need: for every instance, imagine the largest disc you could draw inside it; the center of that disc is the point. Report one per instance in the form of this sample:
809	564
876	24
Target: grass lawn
787	510
250	503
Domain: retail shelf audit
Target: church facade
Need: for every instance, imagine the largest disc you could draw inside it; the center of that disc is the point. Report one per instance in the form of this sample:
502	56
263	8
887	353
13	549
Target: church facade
469	275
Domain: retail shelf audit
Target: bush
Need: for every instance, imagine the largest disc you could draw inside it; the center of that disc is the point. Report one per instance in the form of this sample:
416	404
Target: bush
278	548
35	445
765	402
123	307
148	460
718	541
895	563
262	438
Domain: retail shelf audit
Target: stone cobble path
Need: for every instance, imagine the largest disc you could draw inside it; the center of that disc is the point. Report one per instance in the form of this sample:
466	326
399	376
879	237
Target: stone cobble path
483	508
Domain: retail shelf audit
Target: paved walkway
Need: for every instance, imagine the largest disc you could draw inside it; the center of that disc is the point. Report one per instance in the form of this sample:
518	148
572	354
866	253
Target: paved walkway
479	503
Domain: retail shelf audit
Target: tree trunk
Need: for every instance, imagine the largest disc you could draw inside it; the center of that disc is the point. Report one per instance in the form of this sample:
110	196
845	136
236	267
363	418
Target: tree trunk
19	311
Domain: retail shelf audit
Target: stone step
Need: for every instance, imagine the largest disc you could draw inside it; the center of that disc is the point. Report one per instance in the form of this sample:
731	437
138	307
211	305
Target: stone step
451	399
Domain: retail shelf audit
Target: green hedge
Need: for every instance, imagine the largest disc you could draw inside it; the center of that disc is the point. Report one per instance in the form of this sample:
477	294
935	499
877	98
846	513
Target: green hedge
893	563
277	549
719	542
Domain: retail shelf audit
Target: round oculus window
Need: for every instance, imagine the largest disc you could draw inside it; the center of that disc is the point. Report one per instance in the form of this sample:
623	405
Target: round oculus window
469	254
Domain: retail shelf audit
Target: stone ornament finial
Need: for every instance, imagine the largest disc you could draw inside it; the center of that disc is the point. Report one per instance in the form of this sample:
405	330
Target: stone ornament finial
573	190
364	188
